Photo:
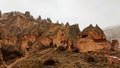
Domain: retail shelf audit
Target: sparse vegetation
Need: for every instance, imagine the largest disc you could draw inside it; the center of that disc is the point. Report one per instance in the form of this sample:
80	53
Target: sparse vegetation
26	42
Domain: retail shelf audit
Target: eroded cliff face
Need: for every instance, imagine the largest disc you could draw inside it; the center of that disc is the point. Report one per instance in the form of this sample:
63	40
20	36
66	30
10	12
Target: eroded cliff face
92	39
20	34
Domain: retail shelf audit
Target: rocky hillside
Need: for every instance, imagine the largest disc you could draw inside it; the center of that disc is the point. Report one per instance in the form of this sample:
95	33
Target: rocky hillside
112	32
40	43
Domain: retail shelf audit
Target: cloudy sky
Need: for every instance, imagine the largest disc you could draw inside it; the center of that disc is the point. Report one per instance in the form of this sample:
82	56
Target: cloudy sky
84	12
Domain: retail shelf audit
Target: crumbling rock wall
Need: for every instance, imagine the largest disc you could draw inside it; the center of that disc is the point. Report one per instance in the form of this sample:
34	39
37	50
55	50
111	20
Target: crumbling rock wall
23	33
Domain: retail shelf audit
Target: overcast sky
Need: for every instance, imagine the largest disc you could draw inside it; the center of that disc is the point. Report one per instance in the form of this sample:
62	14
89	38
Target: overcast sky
84	12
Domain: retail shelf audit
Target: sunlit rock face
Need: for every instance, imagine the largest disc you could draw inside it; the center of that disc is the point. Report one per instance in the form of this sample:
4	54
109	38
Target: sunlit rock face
85	45
60	39
92	39
21	34
115	45
45	41
72	32
93	33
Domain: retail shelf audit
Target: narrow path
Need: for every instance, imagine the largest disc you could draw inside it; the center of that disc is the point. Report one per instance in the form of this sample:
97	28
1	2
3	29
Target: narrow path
22	58
11	65
49	52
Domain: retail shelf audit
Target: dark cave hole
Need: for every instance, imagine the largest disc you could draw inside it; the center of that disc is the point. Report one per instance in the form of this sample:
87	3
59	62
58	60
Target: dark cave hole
90	59
49	62
61	48
84	36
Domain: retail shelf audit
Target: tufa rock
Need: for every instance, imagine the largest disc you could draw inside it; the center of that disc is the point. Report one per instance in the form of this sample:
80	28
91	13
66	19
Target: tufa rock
93	33
85	45
27	14
115	45
60	39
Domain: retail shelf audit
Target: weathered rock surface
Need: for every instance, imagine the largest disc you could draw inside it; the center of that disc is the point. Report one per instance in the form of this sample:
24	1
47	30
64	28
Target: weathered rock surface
21	34
85	45
93	33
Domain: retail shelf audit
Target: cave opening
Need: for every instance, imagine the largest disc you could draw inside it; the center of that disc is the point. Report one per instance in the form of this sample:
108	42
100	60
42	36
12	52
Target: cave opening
84	36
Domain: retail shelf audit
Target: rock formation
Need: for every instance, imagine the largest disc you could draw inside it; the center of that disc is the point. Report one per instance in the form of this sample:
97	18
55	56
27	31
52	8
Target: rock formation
95	33
20	34
85	45
115	45
92	39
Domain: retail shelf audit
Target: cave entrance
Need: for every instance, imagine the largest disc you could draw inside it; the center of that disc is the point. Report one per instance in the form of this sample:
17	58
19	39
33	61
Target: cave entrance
84	36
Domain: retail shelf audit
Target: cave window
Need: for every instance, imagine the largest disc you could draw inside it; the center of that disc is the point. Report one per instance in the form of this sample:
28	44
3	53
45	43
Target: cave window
27	49
62	34
84	36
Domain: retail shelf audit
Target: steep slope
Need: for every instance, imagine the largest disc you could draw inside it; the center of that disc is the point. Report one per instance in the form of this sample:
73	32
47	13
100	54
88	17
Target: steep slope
26	42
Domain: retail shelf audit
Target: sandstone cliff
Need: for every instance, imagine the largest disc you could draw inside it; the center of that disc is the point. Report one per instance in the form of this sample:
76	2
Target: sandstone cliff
21	34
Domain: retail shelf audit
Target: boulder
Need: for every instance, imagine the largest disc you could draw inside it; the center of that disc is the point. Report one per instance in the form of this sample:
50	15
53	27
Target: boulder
115	45
85	45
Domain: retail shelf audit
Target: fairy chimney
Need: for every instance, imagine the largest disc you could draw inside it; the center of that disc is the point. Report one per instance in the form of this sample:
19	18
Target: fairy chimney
27	14
95	33
74	30
38	19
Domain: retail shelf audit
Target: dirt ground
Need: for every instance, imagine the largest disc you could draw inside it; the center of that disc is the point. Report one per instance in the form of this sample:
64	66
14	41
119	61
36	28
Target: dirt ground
55	58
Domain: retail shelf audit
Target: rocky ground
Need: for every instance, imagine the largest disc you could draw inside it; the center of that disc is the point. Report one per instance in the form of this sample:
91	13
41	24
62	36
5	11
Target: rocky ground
57	58
26	42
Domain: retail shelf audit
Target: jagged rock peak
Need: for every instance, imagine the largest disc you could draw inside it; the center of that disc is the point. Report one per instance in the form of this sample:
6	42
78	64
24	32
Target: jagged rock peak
49	20
90	27
67	25
39	18
74	29
27	14
98	29
93	32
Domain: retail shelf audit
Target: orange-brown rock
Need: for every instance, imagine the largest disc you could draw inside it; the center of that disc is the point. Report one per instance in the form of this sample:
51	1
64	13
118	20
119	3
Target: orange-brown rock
45	41
21	34
27	14
41	43
93	32
24	46
54	28
115	45
70	45
85	45
1	58
112	59
60	39
72	32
